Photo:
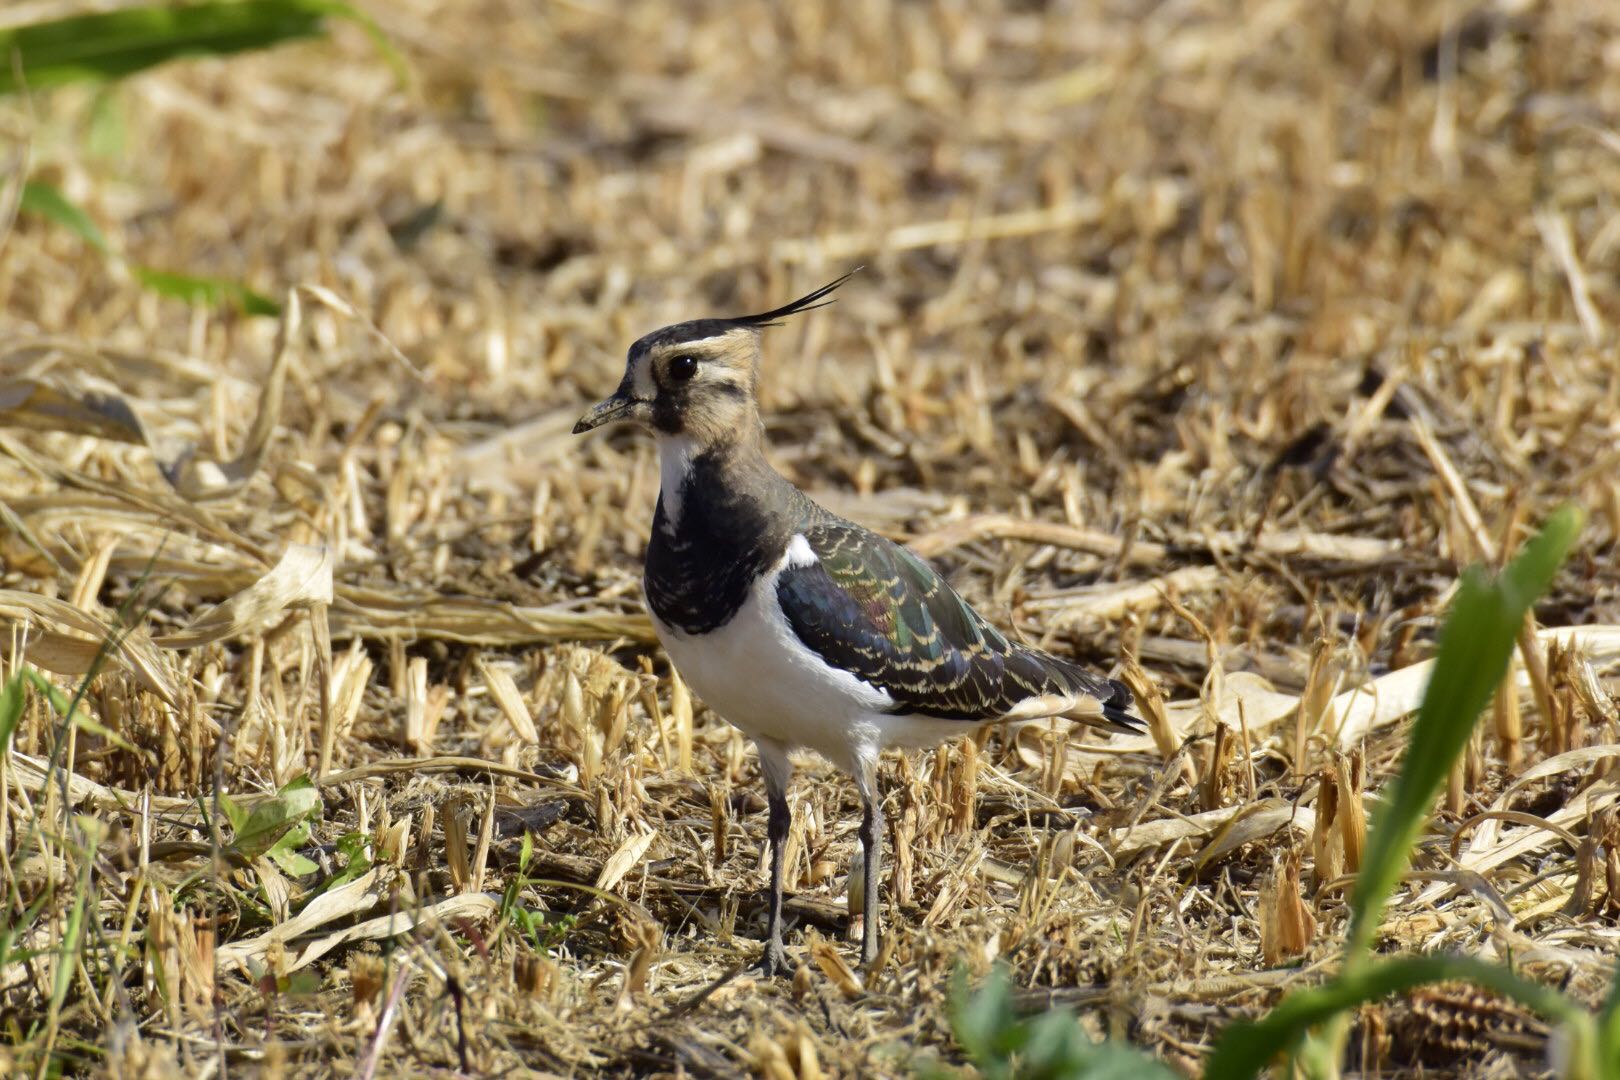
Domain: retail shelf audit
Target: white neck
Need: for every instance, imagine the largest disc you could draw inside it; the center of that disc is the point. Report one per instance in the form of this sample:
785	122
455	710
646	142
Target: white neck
675	453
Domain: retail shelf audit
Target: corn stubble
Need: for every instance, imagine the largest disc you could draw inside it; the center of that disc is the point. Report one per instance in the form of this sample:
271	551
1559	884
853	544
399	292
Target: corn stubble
1207	346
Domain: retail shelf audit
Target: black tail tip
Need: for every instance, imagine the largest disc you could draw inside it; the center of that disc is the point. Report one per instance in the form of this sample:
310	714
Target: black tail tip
1116	707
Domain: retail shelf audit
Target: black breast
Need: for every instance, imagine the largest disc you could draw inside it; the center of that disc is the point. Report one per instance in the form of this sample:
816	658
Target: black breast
734	524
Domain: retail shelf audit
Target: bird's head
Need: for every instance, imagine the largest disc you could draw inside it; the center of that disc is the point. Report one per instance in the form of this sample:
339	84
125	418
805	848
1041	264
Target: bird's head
696	379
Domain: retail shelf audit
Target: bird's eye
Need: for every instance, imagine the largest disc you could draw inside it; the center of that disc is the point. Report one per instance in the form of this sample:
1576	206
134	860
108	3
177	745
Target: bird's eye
683	367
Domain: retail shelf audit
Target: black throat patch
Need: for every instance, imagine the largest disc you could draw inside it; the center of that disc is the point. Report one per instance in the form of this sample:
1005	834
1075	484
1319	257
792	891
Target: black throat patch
736	518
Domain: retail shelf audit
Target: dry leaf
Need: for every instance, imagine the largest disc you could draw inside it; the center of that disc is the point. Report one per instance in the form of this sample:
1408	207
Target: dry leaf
1229	827
30	403
622	861
302	577
346	900
832	964
503	688
66	640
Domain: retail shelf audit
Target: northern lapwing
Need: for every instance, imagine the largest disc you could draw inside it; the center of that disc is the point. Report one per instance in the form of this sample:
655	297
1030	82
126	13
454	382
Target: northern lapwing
801	628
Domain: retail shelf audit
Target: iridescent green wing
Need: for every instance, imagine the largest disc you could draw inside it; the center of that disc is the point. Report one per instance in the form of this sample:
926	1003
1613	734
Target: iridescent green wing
872	608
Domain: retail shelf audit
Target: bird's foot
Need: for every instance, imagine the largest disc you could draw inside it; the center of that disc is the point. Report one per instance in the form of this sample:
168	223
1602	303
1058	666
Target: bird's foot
774	961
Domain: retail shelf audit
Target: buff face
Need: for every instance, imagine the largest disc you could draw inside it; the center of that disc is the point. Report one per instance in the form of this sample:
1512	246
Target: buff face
693	379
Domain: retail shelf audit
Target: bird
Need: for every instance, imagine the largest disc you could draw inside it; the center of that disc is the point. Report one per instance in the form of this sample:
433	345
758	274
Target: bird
800	628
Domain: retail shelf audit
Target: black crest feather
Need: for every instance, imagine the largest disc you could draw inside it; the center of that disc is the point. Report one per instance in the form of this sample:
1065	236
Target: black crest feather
803	303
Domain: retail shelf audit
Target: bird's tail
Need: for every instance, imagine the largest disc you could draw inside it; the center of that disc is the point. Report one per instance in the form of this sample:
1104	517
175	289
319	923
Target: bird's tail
1107	706
1117	709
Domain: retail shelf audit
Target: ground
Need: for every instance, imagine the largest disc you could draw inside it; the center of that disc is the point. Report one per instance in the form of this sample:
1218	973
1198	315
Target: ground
1218	338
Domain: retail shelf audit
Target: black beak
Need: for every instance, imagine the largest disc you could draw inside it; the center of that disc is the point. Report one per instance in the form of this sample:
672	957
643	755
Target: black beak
607	411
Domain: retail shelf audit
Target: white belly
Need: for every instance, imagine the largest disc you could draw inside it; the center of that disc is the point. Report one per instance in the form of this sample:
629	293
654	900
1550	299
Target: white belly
756	673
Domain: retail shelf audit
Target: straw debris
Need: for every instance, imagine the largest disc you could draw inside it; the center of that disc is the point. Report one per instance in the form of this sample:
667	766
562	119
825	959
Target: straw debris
1203	344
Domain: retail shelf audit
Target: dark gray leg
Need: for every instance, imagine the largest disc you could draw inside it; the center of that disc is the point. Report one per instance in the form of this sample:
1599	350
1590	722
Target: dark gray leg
775	960
778	770
872	857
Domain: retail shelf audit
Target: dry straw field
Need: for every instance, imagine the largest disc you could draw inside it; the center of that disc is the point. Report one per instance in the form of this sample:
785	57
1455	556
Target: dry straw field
1210	338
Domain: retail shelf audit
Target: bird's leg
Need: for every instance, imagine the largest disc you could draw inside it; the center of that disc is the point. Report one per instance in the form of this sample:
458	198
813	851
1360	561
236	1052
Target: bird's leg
872	860
777	769
775	960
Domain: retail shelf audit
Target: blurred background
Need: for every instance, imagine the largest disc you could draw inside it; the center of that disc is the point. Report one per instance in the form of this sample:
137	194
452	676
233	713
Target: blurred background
1280	312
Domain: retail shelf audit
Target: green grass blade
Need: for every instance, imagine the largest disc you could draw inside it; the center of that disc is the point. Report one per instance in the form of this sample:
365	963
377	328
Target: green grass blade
1247	1048
112	44
205	291
47	202
1475	647
68	708
1608	1041
391	56
41	198
13	700
72	938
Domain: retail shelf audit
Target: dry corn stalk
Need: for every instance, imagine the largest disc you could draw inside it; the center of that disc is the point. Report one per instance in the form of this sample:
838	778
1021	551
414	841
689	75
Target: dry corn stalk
574	715
1598	858
1327	841
1349	771
424	707
486	831
644	937
1316	713
1509	723
351	674
1213	790
903	832
680	716
455	843
1287	925
1150	704
963	786
791	1057
503	688
535	975
366	974
720	821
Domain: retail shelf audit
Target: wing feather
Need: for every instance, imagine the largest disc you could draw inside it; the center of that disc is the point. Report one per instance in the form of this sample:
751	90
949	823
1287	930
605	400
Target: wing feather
871	607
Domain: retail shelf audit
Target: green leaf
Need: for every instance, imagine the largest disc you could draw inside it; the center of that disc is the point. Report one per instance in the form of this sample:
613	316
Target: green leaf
45	200
105	129
1048	1047
391	56
274	817
111	44
982	1019
1082	1059
300	984
205	291
354	859
1475	648
233	813
284	853
1246	1048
